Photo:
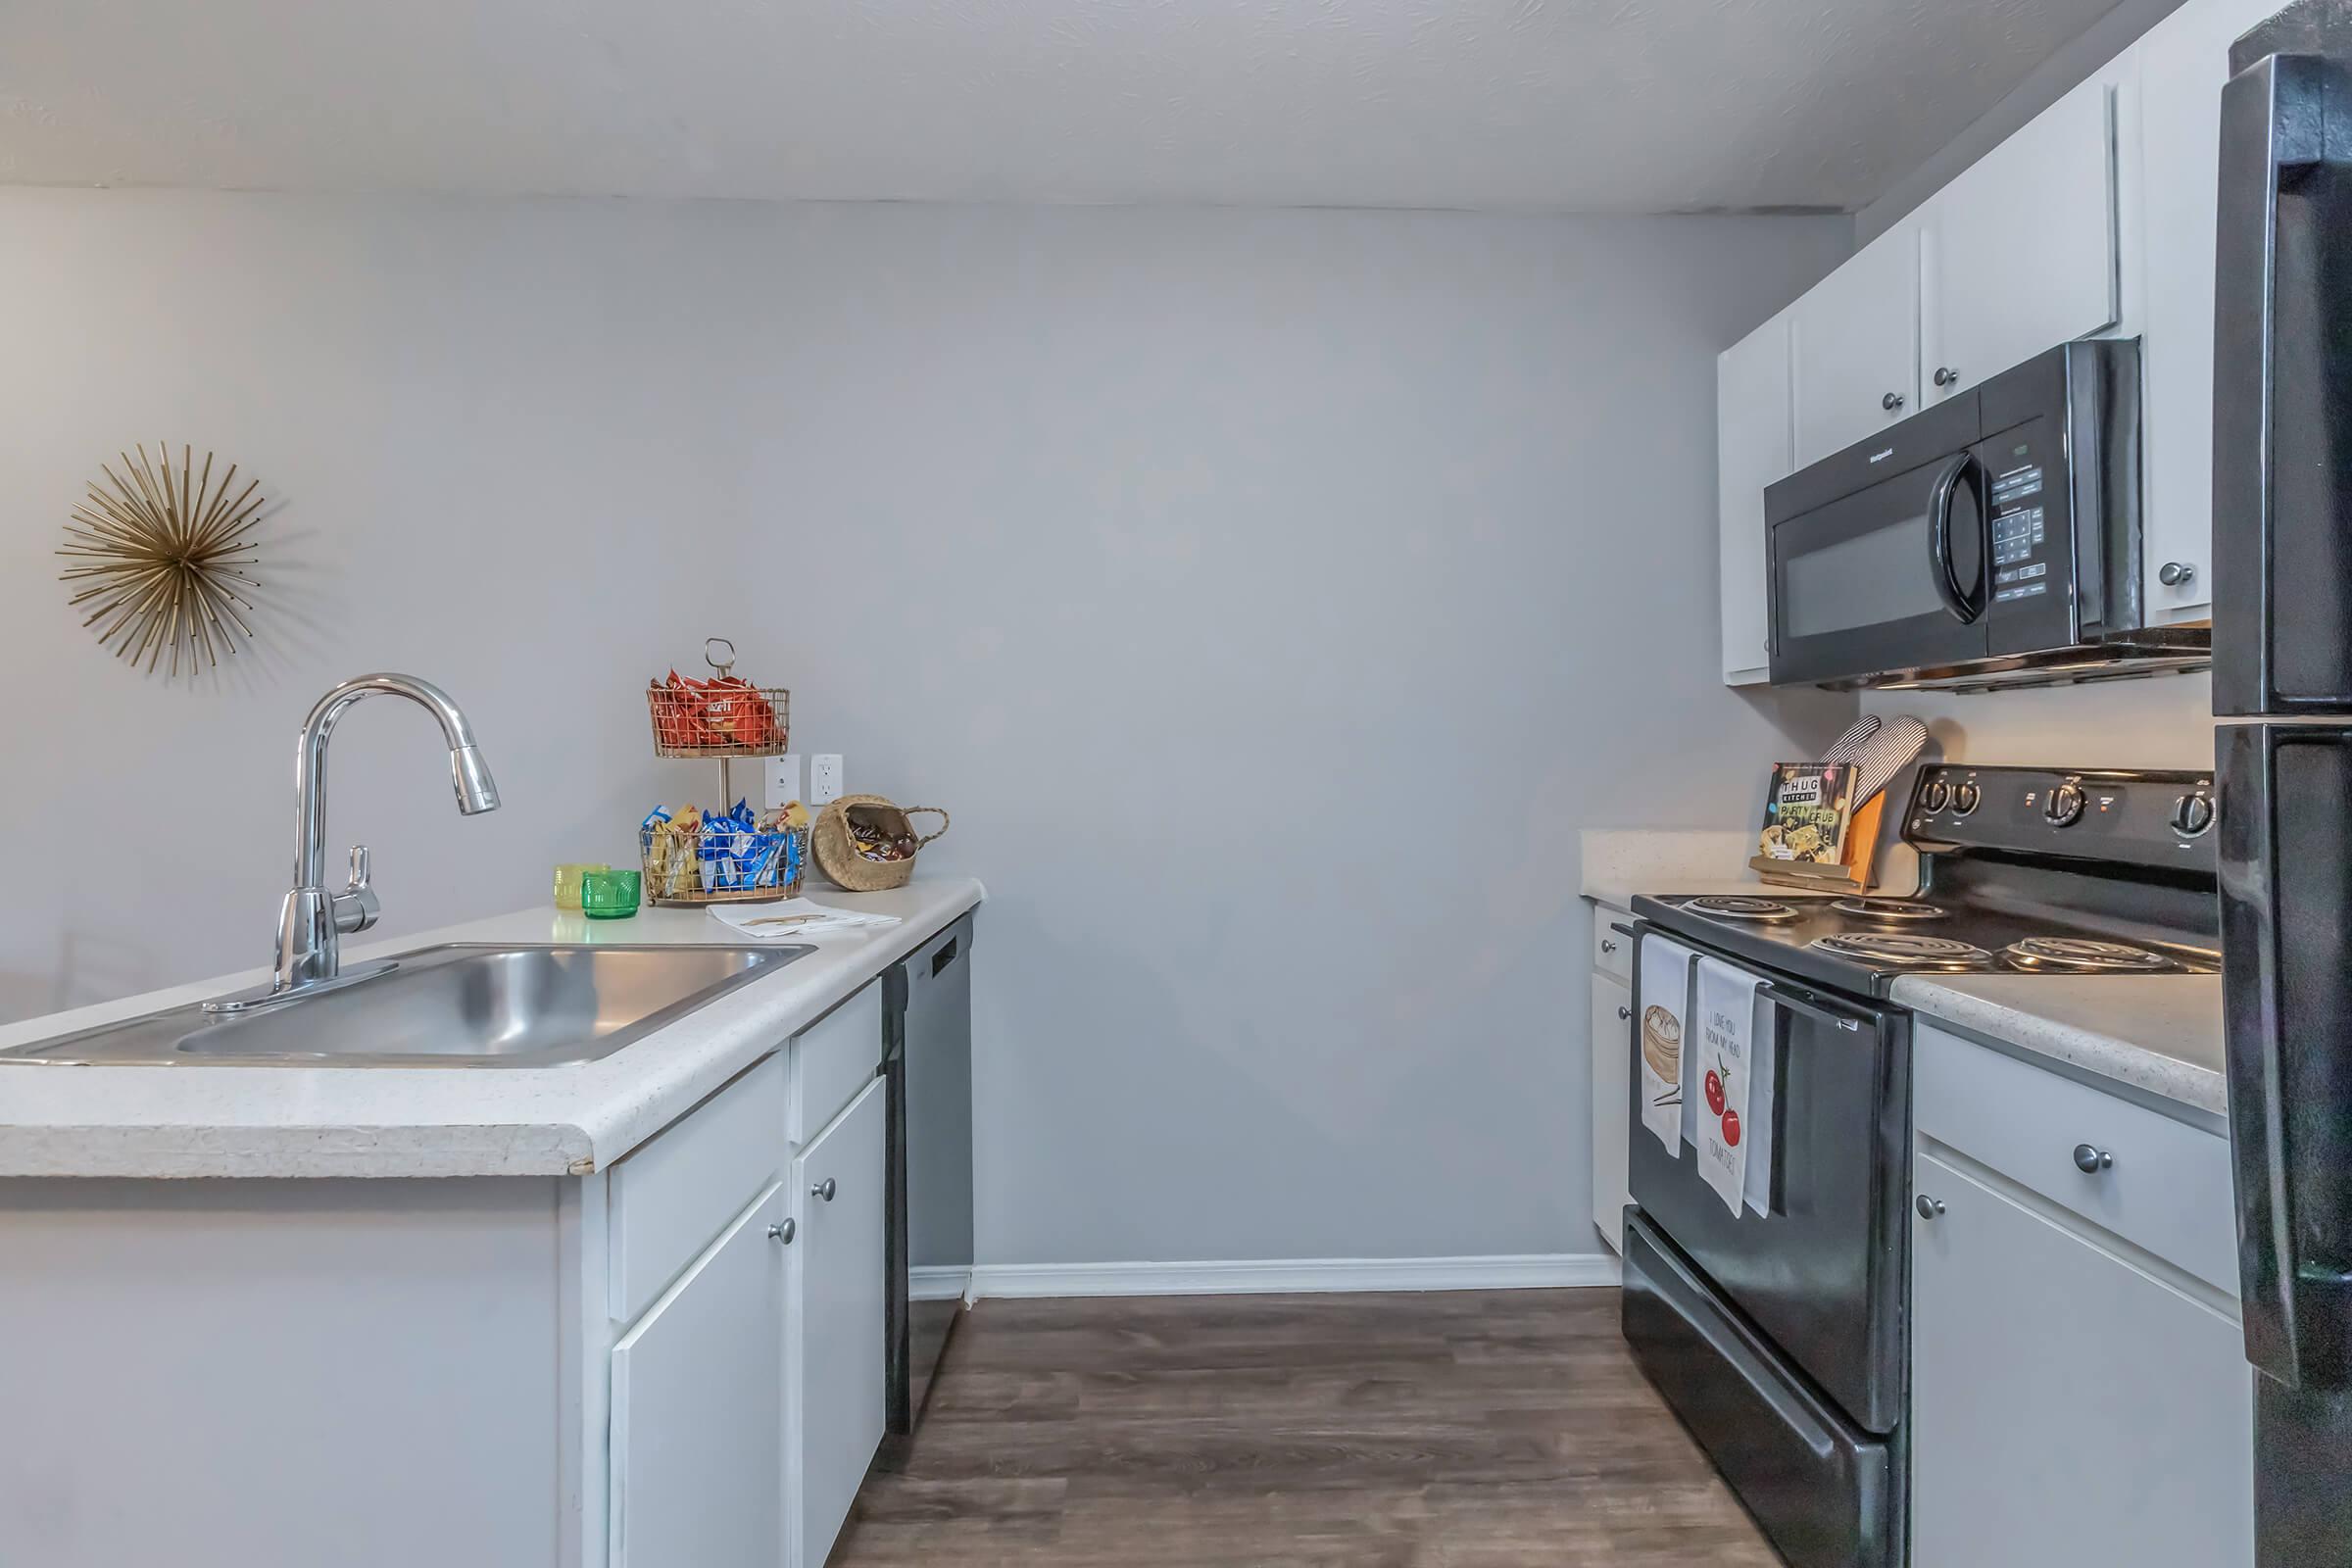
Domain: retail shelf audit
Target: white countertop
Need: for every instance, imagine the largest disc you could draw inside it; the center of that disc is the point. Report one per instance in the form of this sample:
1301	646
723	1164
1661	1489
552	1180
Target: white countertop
1619	862
2160	1033
182	1121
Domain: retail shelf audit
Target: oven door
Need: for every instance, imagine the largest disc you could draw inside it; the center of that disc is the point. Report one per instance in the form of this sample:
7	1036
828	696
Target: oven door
1820	1275
1882	580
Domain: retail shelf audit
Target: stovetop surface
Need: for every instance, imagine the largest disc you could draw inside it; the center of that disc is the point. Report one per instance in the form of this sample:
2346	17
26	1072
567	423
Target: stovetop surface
1789	945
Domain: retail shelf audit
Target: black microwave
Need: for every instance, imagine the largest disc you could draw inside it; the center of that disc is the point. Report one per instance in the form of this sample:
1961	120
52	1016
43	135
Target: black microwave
1991	540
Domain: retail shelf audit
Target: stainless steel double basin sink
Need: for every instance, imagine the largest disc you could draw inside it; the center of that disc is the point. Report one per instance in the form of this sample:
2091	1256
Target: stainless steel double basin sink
455	1006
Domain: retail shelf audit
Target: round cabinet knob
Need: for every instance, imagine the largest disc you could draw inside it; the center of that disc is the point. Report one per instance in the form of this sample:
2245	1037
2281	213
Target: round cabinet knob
2174	574
1891	402
1936	796
1946	375
824	1190
2065	806
2192	814
1966	798
1626	1013
1927	1207
1607	946
2090	1161
784	1233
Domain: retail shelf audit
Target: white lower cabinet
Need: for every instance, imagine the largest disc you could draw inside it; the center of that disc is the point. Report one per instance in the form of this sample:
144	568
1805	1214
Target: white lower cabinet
838	1332
2075	1397
1612	1101
699	1401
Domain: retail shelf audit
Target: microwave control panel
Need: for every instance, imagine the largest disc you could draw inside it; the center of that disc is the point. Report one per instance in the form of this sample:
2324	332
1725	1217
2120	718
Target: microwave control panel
2029	592
2018	521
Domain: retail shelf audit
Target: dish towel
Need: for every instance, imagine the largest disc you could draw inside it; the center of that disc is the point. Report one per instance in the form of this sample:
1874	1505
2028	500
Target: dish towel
796	920
1658	1036
1735	1086
1757	1132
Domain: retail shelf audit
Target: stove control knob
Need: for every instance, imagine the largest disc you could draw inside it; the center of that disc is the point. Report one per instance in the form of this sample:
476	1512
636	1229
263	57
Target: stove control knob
2192	814
1966	798
1936	796
2065	806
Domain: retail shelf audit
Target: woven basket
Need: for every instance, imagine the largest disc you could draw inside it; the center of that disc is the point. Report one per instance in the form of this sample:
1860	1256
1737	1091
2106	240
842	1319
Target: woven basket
836	851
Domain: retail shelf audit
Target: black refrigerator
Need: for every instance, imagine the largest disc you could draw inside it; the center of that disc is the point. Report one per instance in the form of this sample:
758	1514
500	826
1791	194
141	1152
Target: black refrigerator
2282	693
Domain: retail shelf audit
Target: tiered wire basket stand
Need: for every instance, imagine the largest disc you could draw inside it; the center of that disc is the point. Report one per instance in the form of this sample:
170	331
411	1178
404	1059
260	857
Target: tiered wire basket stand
722	720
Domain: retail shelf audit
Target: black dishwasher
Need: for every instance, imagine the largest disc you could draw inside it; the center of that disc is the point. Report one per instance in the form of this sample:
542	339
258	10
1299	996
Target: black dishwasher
929	1251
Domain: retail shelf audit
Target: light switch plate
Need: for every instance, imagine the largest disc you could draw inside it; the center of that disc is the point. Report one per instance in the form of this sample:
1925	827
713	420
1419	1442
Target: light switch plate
784	779
824	777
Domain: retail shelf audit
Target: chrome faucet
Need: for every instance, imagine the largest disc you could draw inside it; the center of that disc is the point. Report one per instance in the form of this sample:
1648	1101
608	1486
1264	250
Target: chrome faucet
312	920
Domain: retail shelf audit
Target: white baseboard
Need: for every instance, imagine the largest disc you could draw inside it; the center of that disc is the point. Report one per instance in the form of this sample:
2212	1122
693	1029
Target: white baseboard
931	1283
1266	1275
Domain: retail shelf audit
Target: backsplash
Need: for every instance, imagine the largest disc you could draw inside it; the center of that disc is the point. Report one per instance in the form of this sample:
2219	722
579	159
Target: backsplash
2162	721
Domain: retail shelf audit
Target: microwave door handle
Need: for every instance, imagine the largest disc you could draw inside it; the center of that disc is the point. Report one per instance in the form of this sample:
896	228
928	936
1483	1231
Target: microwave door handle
1955	599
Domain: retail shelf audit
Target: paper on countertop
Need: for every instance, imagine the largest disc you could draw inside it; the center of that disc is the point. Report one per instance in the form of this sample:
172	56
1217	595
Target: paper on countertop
797	920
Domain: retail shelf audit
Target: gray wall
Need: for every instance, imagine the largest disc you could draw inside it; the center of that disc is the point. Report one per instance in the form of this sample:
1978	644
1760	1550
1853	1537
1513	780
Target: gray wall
2044	86
1271	596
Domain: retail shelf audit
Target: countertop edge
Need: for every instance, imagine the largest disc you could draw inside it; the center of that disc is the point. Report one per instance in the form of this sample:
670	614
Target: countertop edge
565	1122
2196	1093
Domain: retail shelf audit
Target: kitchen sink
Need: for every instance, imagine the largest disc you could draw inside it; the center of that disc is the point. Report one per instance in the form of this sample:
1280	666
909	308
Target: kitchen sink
455	1006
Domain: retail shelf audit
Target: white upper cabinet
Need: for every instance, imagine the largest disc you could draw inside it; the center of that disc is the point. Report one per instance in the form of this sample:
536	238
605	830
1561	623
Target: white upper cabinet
1854	342
2019	253
2183	60
1754	446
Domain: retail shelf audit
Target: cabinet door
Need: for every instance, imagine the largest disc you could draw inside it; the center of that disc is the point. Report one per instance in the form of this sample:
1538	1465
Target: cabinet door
1854	342
840	1322
1612	1104
2019	250
699	1409
2183	60
2066	1407
1753	445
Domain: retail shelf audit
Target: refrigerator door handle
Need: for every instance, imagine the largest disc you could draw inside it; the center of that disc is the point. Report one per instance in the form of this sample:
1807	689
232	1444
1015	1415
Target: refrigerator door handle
2285	836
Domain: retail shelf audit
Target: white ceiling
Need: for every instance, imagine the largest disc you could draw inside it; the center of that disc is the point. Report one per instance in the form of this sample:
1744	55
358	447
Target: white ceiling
1590	105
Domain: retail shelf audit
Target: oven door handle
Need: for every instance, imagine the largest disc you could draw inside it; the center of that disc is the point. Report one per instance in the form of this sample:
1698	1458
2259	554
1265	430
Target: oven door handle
1837	1017
1961	601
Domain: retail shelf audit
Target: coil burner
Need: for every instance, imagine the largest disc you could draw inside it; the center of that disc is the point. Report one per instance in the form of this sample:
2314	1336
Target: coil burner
2083	956
1904	910
1739	907
1905	950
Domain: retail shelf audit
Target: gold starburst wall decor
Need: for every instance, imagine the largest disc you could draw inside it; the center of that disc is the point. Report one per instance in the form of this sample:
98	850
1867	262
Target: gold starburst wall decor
164	557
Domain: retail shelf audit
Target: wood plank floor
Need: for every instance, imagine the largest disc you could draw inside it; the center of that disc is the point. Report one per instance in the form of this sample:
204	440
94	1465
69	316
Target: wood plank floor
1472	1430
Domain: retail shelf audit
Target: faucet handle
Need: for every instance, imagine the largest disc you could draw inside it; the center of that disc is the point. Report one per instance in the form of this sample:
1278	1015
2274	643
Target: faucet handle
356	907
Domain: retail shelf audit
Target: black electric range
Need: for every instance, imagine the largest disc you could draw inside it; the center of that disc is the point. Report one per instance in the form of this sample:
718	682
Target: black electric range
1778	1336
2023	871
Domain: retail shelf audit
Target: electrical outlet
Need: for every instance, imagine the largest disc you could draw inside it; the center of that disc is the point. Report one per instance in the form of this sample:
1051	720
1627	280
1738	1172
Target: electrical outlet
784	779
824	778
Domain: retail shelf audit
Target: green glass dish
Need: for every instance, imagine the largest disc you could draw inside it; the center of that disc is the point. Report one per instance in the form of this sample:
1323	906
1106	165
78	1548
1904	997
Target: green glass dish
609	895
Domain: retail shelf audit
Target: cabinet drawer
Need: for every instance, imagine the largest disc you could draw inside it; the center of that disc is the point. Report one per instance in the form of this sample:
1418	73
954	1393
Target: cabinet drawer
2168	1191
1612	949
833	1058
671	1196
